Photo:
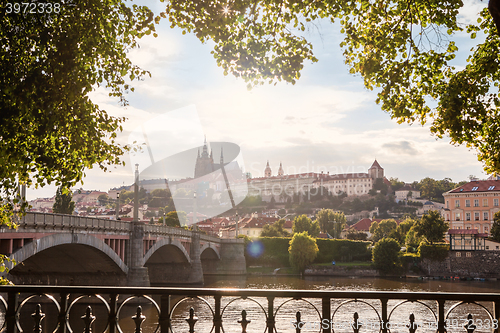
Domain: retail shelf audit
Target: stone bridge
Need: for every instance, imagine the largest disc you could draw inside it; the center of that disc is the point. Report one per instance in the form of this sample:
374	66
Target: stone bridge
61	249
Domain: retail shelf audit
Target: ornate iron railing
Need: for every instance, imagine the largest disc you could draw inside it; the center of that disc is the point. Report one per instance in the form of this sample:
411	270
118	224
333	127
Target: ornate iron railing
25	307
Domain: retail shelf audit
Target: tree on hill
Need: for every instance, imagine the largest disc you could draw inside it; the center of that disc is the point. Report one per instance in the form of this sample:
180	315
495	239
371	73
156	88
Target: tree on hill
383	229
304	224
63	203
302	251
495	228
432	226
403	49
275	230
331	221
172	218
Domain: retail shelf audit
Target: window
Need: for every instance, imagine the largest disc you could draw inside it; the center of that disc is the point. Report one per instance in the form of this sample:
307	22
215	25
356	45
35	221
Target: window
467	216
459	254
457	203
486	229
495	202
468	254
485	202
497	247
475	188
476	216
476	202
491	188
487	247
467	203
485	216
457	216
448	203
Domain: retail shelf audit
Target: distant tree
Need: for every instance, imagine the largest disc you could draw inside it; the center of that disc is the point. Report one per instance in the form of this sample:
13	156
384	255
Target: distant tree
386	255
412	240
495	229
383	229
378	185
402	230
272	202
328	218
275	230
303	223
302	251
432	226
396	184
103	199
172	218
63	203
354	234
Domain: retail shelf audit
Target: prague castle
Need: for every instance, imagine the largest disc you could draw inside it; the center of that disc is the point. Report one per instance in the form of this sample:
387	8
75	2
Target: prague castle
281	186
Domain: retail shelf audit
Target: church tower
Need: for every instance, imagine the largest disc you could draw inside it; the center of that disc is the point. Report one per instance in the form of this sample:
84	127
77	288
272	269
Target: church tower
376	171
204	163
280	171
267	171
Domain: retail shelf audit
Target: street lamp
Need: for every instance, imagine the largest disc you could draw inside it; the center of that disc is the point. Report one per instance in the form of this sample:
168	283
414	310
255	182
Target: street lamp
194	211
237	232
117	206
164	217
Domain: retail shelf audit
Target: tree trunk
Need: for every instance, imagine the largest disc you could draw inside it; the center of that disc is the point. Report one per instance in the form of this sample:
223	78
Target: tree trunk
494	8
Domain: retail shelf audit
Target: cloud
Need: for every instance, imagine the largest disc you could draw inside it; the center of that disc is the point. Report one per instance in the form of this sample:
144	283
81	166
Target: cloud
401	148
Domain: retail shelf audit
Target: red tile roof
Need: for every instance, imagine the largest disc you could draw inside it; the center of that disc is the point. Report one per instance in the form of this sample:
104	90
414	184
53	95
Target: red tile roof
478	186
376	165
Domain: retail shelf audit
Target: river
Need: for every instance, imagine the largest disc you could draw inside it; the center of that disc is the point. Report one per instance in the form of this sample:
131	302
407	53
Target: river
286	314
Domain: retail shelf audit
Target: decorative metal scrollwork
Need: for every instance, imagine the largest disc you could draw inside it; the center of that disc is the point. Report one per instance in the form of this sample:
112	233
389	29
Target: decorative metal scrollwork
244	322
138	319
191	320
38	316
88	319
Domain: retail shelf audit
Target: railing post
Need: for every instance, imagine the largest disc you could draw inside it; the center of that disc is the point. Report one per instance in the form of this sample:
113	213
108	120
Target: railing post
384	315
217	315
62	313
10	315
326	315
270	314
441	322
165	314
112	312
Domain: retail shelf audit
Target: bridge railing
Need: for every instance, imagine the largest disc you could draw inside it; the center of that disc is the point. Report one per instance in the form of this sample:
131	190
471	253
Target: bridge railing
238	310
60	221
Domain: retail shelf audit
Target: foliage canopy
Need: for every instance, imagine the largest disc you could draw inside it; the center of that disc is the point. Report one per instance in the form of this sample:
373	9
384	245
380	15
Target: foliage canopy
495	228
432	226
403	49
63	203
302	251
49	62
303	223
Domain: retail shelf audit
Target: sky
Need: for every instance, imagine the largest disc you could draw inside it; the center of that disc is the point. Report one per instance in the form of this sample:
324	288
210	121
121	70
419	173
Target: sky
327	121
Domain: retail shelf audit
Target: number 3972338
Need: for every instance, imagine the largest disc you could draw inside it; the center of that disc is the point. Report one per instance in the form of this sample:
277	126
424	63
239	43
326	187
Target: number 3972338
32	7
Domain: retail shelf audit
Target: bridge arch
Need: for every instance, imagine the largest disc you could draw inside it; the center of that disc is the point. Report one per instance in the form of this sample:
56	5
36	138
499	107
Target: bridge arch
163	242
210	246
48	242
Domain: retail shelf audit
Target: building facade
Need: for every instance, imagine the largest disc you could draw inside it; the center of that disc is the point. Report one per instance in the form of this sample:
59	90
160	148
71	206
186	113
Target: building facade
472	206
283	186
